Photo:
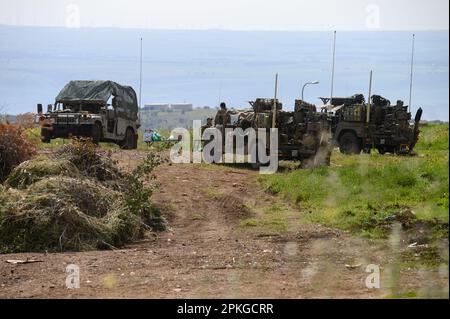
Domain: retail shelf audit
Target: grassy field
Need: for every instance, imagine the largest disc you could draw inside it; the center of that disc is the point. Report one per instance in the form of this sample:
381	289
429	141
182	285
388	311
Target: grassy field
359	192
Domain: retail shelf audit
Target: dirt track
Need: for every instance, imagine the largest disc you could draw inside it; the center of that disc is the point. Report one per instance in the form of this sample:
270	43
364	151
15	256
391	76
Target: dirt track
207	253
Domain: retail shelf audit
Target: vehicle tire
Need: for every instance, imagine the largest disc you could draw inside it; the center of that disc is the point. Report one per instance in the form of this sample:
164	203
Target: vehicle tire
349	143
96	133
255	164
135	141
45	136
129	140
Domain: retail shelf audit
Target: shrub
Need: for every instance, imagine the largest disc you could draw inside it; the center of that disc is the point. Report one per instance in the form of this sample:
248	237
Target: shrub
15	148
26	120
76	200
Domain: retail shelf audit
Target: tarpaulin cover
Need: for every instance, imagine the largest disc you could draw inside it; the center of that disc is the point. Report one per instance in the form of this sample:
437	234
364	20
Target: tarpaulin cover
125	96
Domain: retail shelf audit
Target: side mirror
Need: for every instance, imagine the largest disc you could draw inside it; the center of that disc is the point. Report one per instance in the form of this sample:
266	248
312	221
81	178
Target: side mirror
39	108
49	108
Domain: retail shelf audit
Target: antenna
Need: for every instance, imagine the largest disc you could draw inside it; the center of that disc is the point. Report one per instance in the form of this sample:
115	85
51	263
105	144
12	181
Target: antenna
411	78
332	68
220	92
140	83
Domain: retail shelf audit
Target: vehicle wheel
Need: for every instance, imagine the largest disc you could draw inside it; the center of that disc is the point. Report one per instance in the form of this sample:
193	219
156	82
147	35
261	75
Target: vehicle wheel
349	144
129	140
45	136
96	133
254	162
135	141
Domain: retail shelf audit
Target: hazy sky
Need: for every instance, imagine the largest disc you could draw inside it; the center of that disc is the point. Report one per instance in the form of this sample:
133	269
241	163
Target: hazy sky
231	14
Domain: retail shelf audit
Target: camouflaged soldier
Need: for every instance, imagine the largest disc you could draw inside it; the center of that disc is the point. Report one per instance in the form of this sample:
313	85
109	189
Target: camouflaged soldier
207	125
222	116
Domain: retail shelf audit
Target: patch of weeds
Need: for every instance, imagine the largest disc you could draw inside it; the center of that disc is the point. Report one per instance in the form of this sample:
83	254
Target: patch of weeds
211	194
402	295
197	216
249	222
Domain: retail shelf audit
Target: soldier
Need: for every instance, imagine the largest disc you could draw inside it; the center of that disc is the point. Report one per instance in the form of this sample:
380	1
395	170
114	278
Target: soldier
207	125
222	116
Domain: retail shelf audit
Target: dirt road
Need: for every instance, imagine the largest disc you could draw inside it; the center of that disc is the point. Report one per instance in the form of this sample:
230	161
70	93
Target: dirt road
223	241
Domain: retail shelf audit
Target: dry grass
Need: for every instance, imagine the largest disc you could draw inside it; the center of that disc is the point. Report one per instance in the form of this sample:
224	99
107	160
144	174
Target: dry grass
75	200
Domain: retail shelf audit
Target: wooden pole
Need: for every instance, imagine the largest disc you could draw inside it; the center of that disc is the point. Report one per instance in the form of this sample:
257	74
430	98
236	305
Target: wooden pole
370	93
274	110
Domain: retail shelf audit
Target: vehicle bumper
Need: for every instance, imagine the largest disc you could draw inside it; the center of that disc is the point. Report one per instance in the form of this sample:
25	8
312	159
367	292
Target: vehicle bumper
67	130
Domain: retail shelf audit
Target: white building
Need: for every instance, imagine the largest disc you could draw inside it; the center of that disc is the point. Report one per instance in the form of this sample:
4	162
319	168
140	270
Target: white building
168	106
181	106
157	106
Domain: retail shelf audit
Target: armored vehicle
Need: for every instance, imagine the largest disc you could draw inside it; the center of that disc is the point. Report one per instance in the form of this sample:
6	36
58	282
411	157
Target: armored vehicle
303	134
102	110
359	126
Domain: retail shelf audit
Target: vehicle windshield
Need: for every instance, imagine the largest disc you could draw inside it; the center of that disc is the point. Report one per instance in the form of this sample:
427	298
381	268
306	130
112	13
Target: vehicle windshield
77	106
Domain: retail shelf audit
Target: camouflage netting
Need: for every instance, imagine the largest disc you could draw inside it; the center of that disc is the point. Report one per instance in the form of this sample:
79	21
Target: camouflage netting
75	200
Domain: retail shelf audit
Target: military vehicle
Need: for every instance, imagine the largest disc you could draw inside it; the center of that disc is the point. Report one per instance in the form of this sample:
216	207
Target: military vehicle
102	110
359	126
303	134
